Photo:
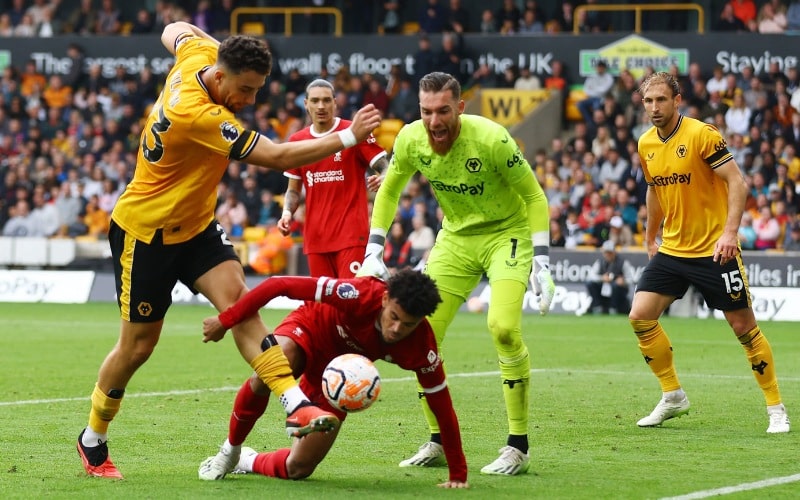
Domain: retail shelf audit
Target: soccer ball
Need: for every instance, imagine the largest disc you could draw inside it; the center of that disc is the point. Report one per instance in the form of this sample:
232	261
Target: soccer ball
351	382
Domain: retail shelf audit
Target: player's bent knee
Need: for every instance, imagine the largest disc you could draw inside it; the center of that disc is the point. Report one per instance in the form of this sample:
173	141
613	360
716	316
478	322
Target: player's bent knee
504	332
297	470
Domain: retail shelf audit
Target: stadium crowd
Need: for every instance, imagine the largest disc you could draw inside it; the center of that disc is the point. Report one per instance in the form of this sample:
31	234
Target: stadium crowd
68	143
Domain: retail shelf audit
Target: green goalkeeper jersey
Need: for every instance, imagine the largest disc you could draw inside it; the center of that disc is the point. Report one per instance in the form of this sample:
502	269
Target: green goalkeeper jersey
483	184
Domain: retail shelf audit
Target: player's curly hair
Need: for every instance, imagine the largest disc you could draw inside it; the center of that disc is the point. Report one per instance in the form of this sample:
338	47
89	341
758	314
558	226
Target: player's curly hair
660	77
440	82
240	53
415	292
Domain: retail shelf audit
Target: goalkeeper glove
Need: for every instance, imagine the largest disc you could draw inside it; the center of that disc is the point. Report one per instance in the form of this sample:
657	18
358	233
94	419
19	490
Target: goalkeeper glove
542	282
373	262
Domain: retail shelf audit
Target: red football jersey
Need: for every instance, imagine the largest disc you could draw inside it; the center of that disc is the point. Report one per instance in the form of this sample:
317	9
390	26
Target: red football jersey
340	316
336	193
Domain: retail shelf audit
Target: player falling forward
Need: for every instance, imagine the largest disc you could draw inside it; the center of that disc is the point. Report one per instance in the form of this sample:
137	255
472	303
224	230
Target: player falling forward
163	228
696	188
377	319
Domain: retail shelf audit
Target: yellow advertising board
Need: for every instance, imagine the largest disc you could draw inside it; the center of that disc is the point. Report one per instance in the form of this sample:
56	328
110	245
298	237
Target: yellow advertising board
508	106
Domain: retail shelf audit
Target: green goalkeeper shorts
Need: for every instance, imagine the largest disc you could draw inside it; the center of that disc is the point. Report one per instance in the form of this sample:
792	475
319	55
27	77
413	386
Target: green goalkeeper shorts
457	262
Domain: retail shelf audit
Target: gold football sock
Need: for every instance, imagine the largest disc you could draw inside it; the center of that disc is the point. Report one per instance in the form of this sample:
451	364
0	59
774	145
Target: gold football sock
759	353
273	369
104	409
657	351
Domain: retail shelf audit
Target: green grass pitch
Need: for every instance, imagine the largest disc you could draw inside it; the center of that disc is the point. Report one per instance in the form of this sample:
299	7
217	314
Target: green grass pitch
589	386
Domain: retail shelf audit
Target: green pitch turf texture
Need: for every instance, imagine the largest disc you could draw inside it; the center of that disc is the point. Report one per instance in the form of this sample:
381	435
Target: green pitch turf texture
589	387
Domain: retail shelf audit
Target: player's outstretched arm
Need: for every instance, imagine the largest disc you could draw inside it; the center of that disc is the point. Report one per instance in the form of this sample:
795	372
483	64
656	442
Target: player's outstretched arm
290	155
173	30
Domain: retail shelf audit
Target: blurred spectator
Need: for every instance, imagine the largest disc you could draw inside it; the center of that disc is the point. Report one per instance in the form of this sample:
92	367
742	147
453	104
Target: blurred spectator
203	16
57	95
392	20
108	19
609	282
767	229
295	83
48	26
82	20
595	21
405	105
747	234
488	22
398	248
613	168
448	60
508	78
728	21
432	17
70	209
792	241
744	10
526	80
717	82
596	86
250	196
109	195
602	142
222	17
620	234
793	16
16	12
269	210
530	23
376	95
565	17
232	215
507	15
32	82
771	21
285	124
96	219
737	118
19	222
143	23
424	58
26	28
557	79
6	28
421	238
457	18
44	216
74	77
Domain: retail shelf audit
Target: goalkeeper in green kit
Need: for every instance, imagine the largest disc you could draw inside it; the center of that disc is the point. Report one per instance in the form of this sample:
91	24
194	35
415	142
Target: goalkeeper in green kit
496	221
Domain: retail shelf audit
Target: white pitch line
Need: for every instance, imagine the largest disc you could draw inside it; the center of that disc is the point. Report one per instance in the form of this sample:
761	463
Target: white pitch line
727	490
184	392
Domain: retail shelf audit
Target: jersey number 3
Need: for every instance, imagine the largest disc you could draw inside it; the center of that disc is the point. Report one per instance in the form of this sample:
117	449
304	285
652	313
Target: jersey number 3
157	151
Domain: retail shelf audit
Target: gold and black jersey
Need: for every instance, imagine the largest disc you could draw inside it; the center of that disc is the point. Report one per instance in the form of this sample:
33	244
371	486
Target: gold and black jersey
185	148
680	168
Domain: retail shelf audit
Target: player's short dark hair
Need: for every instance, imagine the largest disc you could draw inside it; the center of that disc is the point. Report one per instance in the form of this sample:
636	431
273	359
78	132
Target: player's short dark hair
660	77
320	82
415	292
440	82
240	53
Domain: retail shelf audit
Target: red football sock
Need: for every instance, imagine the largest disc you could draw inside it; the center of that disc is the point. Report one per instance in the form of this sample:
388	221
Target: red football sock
272	464
247	409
